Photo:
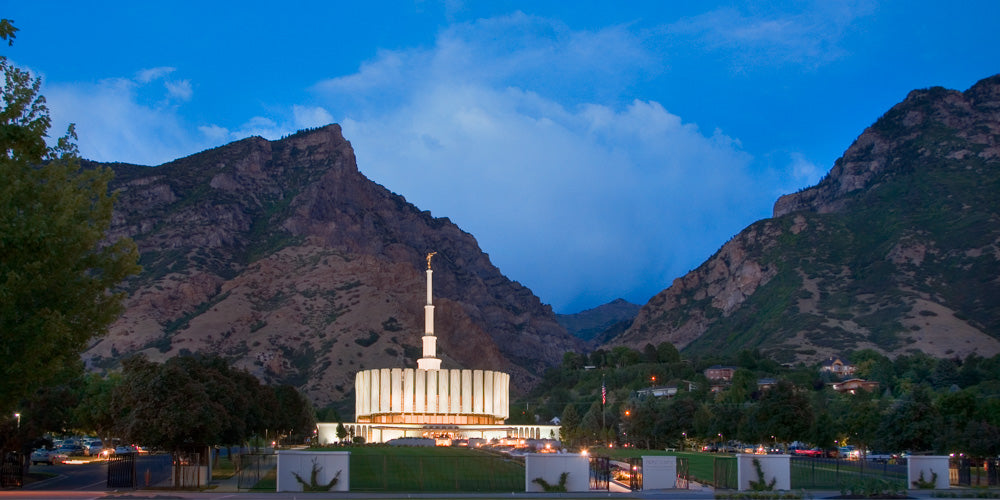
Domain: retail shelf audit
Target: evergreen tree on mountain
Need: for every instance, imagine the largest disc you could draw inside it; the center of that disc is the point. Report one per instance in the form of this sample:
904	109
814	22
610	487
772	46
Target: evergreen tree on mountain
57	274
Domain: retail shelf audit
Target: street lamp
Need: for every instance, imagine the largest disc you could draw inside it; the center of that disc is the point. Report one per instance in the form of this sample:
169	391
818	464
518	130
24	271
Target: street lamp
684	440
18	417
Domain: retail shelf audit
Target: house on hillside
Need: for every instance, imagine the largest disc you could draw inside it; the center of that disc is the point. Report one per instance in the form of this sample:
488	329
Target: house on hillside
662	391
764	384
855	384
718	372
837	366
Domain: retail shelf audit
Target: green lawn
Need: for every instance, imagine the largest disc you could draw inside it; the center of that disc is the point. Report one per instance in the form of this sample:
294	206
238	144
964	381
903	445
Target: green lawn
223	468
383	468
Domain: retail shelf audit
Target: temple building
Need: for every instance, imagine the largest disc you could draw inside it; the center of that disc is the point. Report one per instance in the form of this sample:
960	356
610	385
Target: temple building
432	402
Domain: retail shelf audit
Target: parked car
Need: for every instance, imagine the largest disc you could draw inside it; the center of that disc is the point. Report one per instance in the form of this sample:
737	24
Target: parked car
95	447
131	448
74	450
42	456
880	457
808	452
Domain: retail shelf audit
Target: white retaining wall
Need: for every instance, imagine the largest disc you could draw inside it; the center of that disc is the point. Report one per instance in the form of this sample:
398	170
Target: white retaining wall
773	466
549	466
302	462
929	465
659	472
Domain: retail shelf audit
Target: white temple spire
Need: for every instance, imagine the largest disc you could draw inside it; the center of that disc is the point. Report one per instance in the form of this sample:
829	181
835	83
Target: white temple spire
430	360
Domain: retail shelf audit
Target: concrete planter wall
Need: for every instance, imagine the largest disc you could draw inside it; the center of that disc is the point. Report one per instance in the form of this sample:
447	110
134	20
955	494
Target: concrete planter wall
549	466
777	467
659	472
303	463
929	465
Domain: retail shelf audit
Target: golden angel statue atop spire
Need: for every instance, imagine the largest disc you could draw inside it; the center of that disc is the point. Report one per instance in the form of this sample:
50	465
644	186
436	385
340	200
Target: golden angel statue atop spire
429	259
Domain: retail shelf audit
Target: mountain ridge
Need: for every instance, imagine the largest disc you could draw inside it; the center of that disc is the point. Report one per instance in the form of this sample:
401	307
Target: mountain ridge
282	257
896	249
593	324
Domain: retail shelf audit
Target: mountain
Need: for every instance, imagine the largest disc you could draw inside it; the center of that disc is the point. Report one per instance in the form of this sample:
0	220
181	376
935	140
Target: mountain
896	249
593	324
283	258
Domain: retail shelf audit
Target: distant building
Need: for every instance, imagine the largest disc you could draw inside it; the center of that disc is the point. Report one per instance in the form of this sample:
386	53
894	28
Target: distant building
837	366
658	392
766	383
855	384
719	372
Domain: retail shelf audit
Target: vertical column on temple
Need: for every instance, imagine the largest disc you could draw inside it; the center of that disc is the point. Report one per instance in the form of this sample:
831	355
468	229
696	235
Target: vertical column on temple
430	360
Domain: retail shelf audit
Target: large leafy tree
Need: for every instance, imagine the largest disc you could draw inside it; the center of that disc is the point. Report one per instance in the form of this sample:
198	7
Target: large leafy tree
57	272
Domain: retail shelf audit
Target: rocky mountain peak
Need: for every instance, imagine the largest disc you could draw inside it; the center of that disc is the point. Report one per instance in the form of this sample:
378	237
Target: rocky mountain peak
973	115
282	257
887	252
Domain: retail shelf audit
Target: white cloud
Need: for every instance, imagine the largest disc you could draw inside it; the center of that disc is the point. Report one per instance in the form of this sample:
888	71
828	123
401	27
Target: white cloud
113	124
805	172
582	203
215	134
150	74
310	117
810	37
179	89
128	120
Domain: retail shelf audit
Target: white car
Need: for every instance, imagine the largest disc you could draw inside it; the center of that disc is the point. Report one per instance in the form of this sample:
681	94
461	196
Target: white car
95	448
42	456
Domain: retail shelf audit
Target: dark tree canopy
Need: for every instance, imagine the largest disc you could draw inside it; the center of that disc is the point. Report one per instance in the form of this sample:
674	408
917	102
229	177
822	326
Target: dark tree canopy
200	400
57	274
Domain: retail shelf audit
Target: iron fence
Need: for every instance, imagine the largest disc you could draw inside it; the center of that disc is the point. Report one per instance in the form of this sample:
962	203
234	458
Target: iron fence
968	471
121	471
724	475
188	471
836	473
635	473
12	470
253	468
131	470
600	473
683	473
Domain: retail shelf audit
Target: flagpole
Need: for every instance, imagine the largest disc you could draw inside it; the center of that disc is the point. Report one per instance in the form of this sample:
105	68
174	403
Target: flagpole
604	400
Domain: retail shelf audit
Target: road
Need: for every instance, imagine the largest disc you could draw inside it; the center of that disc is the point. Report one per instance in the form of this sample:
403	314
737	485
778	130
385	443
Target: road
71	477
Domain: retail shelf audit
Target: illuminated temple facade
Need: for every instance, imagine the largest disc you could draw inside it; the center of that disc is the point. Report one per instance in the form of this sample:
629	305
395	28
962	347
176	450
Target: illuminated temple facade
431	402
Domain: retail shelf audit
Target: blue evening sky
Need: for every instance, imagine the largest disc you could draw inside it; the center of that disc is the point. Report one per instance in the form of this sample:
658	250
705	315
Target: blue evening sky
596	150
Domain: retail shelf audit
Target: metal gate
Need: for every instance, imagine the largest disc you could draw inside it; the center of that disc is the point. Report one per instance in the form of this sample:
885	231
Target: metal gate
634	473
965	471
683	474
12	470
251	468
131	470
724	473
121	470
600	473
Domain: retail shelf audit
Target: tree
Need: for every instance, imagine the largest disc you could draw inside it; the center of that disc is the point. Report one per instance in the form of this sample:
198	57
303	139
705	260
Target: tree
296	415
785	413
58	273
570	423
94	414
911	424
667	353
165	407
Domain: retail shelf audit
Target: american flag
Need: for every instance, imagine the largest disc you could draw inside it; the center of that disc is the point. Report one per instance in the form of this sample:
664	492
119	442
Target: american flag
604	394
